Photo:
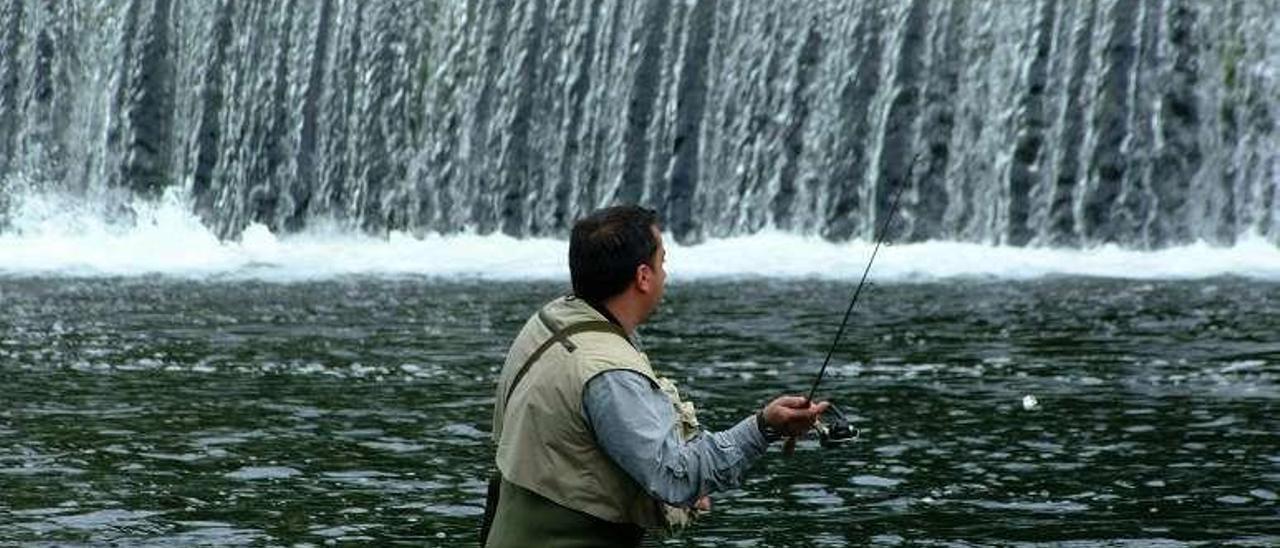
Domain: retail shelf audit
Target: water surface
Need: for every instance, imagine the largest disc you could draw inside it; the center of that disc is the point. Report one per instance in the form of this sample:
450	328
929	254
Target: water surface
156	412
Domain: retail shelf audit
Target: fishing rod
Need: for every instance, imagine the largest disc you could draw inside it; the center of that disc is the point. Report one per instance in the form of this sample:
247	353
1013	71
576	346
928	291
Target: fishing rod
884	229
837	430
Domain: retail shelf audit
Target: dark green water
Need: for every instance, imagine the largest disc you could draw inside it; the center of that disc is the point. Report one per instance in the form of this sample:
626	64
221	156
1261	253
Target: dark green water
157	412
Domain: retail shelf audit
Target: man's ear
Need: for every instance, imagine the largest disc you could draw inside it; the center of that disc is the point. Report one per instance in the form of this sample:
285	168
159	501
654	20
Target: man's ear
644	278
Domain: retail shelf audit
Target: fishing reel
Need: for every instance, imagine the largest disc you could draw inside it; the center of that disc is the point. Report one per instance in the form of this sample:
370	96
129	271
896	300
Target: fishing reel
834	429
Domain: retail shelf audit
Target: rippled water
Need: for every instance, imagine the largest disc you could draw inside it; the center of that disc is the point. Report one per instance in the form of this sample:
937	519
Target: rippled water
158	412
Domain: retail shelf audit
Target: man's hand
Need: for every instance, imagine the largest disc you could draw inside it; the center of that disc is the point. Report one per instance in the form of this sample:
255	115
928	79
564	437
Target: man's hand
793	415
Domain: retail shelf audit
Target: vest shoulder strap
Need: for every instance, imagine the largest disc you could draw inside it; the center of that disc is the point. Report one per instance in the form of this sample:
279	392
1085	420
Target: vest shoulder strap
562	336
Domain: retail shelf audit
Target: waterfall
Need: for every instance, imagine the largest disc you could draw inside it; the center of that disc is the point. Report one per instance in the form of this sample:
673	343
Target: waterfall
1145	123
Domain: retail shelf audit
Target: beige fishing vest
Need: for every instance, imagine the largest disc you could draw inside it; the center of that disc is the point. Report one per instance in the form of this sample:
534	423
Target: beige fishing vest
545	444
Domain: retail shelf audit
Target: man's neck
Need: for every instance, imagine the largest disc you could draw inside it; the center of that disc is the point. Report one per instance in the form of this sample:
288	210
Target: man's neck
619	311
604	311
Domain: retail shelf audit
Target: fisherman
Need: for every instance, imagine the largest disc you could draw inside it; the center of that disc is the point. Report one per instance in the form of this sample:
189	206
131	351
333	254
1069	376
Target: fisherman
594	447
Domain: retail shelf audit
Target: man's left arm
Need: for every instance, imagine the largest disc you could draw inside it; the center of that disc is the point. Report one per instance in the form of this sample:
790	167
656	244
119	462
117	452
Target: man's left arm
635	424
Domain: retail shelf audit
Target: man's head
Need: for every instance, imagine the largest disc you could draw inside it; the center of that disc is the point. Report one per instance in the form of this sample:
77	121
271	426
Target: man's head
617	253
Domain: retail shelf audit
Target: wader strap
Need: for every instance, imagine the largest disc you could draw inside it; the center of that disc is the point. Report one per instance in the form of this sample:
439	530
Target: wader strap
562	336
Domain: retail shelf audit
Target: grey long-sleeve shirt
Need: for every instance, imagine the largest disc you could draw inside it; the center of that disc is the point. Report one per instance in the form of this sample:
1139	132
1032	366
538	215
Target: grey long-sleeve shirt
635	424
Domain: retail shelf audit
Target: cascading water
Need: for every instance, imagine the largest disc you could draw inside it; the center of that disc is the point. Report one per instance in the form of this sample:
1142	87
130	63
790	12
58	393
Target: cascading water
1141	122
260	260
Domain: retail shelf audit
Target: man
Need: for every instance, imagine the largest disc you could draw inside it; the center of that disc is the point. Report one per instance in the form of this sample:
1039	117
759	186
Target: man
594	447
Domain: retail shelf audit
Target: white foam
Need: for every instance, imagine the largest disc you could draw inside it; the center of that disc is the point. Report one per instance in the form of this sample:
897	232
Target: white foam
792	256
52	236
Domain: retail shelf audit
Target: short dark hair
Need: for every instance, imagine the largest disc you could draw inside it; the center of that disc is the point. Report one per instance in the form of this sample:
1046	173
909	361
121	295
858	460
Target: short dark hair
607	246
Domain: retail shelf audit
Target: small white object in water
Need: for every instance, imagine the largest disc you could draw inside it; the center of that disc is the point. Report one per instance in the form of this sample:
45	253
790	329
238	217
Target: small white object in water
1029	402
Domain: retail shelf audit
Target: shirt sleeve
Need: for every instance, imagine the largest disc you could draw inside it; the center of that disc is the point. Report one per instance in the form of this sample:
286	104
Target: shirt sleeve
635	424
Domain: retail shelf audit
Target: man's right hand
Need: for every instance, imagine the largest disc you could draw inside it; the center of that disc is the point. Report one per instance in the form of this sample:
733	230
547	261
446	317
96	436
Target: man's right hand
793	415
